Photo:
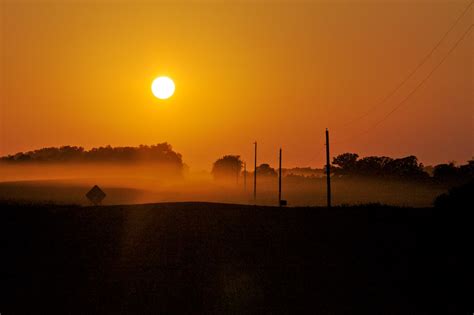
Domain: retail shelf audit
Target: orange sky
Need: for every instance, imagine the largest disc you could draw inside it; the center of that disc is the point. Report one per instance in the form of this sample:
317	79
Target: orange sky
79	73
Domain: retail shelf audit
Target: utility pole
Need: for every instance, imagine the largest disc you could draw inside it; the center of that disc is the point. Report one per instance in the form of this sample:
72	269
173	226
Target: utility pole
328	169
279	182
255	175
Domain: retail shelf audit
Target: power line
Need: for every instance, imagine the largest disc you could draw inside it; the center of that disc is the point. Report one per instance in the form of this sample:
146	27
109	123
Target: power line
427	77
402	102
317	154
410	75
415	70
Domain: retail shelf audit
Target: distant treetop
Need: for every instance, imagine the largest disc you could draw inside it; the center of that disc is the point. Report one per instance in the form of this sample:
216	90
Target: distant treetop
228	166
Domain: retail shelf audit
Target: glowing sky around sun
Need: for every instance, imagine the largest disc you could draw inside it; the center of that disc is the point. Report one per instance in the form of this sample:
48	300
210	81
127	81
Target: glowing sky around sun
277	72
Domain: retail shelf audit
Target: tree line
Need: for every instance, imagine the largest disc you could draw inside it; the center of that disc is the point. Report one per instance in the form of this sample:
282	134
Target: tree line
348	165
231	166
161	153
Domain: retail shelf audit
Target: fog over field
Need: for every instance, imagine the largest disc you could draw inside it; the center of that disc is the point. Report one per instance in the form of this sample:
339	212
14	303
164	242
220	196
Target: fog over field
148	182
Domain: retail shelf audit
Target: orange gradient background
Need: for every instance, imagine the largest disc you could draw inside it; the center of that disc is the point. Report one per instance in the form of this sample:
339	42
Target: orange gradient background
79	73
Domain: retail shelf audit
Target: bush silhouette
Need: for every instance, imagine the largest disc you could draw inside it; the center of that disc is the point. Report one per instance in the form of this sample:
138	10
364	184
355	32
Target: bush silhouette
457	197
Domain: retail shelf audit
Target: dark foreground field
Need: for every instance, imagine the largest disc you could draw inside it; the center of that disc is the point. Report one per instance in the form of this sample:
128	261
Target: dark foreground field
215	258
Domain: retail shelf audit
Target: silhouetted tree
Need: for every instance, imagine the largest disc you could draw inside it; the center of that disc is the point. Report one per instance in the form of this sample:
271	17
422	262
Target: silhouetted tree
346	162
450	174
445	172
407	167
265	170
467	170
227	167
373	165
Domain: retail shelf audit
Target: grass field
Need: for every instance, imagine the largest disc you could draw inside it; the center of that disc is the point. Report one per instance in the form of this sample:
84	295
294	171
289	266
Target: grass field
231	259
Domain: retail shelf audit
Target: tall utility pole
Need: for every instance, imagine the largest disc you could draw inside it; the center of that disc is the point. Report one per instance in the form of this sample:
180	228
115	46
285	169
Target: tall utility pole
279	182
255	175
328	169
245	176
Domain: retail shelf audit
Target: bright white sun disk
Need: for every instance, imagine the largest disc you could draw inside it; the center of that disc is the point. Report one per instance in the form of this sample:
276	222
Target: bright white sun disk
163	87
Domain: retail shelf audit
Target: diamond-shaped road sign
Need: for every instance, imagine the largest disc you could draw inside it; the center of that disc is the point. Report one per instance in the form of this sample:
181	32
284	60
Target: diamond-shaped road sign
95	195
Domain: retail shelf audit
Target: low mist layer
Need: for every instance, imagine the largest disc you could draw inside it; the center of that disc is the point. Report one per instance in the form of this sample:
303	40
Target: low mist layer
146	184
149	174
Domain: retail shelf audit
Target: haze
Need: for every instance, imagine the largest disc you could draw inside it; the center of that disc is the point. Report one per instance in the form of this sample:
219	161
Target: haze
79	73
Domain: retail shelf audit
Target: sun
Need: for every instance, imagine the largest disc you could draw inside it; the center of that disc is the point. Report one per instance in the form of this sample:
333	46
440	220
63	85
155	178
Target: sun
163	87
